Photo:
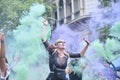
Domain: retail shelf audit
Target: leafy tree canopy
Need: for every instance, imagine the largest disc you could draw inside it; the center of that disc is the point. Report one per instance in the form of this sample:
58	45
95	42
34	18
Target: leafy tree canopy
12	10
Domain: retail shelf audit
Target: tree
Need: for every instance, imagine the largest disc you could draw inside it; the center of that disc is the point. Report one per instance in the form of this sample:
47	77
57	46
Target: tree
107	3
51	9
50	6
104	34
12	10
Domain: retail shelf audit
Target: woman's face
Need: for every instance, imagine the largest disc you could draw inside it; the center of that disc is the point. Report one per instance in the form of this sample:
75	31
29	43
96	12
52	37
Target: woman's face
61	45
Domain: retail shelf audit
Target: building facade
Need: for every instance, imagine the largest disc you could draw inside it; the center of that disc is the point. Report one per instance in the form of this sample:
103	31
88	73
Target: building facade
69	11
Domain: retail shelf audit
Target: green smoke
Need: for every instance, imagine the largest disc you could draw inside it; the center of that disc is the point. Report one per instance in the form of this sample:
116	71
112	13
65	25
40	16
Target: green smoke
106	51
31	55
78	65
115	30
110	49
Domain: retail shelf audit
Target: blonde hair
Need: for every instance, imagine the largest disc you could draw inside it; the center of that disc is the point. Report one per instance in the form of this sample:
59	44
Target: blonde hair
59	41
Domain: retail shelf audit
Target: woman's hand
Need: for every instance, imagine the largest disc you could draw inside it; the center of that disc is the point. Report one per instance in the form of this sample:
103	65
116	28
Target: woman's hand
68	70
1	37
45	22
86	41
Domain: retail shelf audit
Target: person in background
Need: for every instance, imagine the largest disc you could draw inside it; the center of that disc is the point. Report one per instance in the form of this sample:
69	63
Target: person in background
4	70
75	68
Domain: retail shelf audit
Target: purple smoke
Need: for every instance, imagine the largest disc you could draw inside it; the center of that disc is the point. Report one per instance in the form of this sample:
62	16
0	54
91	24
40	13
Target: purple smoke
71	38
103	17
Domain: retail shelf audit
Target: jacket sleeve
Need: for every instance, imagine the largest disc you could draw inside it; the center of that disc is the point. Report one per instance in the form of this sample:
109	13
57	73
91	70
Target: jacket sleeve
74	55
49	49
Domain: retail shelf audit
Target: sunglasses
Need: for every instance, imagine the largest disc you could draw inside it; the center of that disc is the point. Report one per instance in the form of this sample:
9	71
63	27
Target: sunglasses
61	42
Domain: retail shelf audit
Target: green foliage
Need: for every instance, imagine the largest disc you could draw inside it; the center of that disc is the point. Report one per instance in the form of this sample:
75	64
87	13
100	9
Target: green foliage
104	34
11	10
50	7
107	3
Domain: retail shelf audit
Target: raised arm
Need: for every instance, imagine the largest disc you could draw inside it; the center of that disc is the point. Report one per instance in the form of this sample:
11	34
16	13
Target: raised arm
85	48
76	55
44	30
44	34
47	46
2	55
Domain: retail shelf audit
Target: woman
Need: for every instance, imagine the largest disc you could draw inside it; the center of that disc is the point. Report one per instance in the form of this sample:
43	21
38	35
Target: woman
59	56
